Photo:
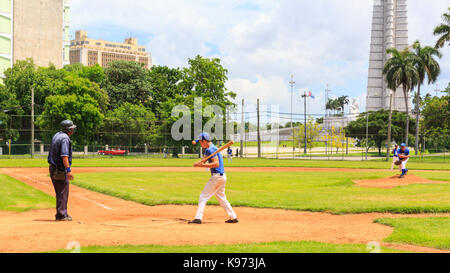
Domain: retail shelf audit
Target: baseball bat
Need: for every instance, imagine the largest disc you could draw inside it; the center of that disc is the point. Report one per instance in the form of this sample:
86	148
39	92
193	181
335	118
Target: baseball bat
218	151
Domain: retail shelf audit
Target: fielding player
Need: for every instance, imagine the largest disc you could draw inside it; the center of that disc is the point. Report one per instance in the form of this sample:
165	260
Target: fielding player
60	160
403	155
395	156
216	184
230	154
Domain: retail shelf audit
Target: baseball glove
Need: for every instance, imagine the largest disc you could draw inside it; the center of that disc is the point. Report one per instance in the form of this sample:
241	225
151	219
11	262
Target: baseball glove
398	162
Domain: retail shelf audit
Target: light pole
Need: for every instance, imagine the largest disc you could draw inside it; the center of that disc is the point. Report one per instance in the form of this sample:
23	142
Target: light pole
292	82
32	122
327	90
304	96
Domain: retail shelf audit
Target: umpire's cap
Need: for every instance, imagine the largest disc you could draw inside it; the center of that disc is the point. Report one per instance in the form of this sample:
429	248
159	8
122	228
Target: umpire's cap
67	125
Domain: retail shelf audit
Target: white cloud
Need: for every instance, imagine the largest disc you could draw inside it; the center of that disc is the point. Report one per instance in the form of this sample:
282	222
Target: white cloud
263	42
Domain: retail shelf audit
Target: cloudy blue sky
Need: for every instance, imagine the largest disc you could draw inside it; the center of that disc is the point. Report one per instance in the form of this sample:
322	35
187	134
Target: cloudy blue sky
261	42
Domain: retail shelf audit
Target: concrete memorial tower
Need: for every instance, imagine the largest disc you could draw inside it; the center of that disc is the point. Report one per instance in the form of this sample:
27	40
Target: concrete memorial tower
389	29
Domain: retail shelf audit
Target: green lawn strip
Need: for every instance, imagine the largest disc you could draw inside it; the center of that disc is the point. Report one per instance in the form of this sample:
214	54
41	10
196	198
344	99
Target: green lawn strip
306	191
237	162
430	232
436	176
272	247
19	197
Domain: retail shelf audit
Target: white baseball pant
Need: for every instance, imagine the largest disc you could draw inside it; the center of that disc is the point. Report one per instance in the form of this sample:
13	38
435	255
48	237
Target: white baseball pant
215	186
403	165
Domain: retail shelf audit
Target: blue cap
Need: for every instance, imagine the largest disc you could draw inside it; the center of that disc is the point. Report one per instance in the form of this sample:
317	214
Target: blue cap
203	136
403	145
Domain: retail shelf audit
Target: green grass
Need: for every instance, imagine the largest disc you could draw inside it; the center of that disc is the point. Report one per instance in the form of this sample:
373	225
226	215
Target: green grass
430	232
19	197
307	191
272	247
237	162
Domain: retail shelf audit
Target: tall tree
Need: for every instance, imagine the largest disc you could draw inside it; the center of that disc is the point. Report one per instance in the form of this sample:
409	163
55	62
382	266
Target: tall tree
400	70
342	101
443	30
205	78
165	85
426	65
129	124
436	120
8	106
378	129
127	82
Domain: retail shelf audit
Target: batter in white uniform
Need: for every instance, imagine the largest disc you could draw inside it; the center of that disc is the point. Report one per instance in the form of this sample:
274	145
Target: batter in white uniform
216	184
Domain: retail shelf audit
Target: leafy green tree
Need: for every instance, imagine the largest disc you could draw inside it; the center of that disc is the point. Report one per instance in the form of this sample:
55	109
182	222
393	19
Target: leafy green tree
127	82
426	65
75	98
206	78
8	106
443	31
164	86
129	124
313	130
203	78
94	73
20	79
378	128
436	120
83	110
400	70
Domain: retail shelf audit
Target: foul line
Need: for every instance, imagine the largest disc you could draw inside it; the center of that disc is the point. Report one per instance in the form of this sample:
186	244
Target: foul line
74	194
92	201
128	226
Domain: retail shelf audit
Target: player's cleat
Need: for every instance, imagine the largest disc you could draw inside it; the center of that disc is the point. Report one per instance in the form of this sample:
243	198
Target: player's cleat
64	219
402	176
195	221
232	221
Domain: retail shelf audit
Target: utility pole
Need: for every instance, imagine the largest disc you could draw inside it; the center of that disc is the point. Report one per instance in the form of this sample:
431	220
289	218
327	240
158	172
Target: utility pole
304	96
258	129
367	133
388	143
242	130
327	90
32	122
292	82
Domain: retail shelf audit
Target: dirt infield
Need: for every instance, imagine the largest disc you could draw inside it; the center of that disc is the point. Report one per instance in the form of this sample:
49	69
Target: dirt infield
395	181
104	220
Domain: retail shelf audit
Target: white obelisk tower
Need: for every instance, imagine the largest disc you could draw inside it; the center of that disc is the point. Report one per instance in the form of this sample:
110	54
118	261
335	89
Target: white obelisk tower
389	29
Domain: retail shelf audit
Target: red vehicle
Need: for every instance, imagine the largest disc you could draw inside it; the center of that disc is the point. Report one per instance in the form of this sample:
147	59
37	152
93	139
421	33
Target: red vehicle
113	152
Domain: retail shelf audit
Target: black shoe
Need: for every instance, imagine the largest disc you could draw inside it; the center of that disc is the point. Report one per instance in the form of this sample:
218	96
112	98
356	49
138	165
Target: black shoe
64	219
195	221
232	221
402	176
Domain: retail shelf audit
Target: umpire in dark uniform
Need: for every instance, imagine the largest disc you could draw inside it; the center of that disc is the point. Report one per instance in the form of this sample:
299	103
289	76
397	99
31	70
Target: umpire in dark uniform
60	160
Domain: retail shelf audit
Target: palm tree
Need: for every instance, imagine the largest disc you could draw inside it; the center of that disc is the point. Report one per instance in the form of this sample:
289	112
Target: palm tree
342	101
400	71
426	65
443	30
331	105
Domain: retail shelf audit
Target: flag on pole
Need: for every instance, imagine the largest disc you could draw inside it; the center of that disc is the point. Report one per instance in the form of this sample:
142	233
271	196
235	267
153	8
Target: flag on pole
311	95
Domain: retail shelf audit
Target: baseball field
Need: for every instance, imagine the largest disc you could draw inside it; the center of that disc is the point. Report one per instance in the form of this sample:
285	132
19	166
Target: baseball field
143	205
